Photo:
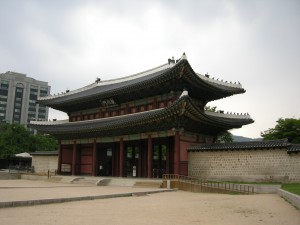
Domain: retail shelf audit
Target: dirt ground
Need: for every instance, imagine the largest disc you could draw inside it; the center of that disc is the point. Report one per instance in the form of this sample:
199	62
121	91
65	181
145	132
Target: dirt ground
162	208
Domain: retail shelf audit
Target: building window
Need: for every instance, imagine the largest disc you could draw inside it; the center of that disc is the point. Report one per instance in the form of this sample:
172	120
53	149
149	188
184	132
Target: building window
4	85
142	108
44	89
33	92
43	92
19	85
161	105
133	110
150	107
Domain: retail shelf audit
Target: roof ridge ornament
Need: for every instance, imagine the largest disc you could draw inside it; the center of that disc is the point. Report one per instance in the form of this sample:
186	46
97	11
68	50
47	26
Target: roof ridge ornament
183	56
97	80
171	61
184	93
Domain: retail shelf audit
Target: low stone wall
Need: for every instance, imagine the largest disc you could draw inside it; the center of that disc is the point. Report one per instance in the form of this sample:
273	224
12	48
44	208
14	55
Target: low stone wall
43	163
268	165
290	197
9	176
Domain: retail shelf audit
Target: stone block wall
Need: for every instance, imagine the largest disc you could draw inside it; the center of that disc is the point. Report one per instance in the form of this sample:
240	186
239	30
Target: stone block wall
245	165
44	163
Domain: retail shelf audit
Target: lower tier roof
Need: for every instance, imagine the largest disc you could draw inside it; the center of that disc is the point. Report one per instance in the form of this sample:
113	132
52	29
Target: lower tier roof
182	114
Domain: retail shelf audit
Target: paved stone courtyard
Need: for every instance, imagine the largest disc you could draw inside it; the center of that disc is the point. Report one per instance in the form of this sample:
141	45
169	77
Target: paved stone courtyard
161	208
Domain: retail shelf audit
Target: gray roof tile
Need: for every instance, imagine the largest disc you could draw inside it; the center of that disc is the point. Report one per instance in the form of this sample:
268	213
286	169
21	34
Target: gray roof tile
283	143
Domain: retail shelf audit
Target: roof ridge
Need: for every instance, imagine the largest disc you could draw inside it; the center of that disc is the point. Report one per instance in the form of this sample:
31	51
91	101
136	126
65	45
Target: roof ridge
220	82
111	81
279	143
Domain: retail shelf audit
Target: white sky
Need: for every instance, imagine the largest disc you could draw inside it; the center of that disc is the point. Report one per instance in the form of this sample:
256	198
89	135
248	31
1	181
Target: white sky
70	43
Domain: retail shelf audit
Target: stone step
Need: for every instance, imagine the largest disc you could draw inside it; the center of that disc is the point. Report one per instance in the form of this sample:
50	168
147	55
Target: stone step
54	179
148	184
104	182
86	180
124	182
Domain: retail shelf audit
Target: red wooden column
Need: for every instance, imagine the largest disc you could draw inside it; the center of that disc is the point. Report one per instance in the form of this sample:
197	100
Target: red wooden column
94	172
74	159
121	156
59	158
168	160
177	153
149	156
140	161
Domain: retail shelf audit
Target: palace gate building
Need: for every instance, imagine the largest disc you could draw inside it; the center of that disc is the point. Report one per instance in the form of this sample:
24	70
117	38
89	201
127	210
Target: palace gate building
140	125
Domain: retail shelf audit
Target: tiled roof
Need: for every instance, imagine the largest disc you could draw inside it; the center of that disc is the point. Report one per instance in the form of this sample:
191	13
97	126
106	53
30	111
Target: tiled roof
283	143
179	75
153	120
44	153
294	148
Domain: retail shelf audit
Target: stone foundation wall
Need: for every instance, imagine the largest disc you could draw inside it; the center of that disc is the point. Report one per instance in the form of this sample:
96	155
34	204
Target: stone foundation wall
245	165
44	163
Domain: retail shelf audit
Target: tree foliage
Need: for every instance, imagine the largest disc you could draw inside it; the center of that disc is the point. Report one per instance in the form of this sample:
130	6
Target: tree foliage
225	137
285	128
211	109
15	138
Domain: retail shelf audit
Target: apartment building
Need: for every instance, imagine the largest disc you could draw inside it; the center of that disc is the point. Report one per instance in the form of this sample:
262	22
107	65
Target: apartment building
18	95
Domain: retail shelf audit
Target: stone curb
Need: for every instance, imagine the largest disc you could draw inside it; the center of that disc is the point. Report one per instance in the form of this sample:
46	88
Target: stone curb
72	199
290	197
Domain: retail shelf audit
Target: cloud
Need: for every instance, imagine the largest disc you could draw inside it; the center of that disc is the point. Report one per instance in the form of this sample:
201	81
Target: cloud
70	43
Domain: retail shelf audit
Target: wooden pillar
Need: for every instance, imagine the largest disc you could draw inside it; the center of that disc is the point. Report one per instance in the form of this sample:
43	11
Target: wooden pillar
140	159
94	172
121	157
150	156
177	153
74	160
145	174
116	163
59	158
168	158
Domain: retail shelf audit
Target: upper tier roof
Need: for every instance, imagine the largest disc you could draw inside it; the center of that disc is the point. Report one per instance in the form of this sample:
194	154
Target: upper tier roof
163	79
183	113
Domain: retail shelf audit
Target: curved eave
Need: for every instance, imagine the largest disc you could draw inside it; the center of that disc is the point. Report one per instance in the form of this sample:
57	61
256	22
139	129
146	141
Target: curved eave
182	114
180	76
216	90
100	92
196	114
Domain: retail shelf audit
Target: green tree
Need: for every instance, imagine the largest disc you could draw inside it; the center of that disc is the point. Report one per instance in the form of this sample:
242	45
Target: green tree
209	108
226	136
285	128
15	138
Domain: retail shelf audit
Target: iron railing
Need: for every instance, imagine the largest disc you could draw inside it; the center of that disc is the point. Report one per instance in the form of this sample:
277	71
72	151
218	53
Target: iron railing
193	184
